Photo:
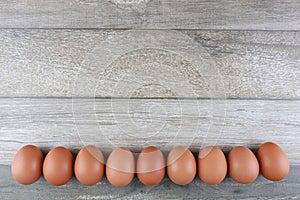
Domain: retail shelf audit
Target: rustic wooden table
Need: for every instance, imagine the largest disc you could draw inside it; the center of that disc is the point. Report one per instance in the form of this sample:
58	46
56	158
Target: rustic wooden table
142	72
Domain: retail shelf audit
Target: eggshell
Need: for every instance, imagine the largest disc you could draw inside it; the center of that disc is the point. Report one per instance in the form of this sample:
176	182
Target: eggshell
89	165
274	163
212	165
151	166
181	165
120	167
58	166
27	165
243	166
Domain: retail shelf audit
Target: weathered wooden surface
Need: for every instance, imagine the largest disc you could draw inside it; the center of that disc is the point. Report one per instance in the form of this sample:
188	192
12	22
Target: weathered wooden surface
169	87
150	63
149	14
228	189
137	123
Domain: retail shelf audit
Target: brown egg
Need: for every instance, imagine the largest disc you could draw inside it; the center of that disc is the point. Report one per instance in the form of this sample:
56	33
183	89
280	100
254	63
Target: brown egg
120	167
89	165
58	166
181	165
27	165
242	165
212	165
151	166
274	163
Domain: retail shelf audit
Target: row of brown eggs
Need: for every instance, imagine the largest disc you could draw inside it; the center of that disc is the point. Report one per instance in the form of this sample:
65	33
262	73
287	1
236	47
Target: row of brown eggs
89	166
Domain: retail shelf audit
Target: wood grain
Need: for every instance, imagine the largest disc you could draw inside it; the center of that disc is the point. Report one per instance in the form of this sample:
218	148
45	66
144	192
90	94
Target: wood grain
147	72
149	14
228	189
136	123
150	63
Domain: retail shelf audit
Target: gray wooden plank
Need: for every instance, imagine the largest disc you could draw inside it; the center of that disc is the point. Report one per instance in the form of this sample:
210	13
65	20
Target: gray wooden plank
228	189
137	123
147	14
150	63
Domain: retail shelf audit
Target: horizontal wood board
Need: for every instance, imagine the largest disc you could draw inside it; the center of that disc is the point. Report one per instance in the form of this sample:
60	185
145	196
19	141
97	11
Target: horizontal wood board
150	14
228	189
150	64
137	123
